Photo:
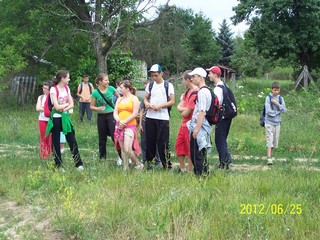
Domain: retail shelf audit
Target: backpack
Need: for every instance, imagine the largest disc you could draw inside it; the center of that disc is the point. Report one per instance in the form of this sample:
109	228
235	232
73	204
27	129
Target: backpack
48	104
90	89
263	111
229	104
166	86
214	114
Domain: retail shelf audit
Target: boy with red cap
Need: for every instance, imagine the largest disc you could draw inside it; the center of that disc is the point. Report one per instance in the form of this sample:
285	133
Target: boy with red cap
222	128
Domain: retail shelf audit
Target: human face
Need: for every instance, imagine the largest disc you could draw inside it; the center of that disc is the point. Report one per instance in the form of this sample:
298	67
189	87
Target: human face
66	79
45	89
104	82
123	90
157	76
275	91
196	79
86	79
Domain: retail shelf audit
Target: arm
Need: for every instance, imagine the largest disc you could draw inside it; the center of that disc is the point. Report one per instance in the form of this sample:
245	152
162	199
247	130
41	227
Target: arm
115	112
140	120
55	103
196	130
78	92
166	104
282	106
70	102
93	104
39	107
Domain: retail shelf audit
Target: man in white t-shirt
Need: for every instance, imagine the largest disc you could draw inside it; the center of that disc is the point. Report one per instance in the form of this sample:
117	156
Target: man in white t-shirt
199	126
157	101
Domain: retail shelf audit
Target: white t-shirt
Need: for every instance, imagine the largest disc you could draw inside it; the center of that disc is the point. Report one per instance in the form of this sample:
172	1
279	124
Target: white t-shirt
41	114
203	103
62	98
159	96
218	91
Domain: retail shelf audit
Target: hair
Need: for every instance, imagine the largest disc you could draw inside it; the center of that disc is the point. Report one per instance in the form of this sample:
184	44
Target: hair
185	75
275	85
100	77
47	83
127	84
59	75
119	81
85	75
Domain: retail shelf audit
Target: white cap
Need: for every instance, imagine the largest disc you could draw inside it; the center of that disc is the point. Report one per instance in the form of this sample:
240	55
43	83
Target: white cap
155	68
198	71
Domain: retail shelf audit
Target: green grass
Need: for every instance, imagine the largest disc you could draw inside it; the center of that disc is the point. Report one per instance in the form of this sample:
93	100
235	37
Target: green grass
251	201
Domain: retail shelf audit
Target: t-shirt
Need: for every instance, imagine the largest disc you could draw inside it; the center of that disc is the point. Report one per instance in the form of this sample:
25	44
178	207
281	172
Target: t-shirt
62	98
101	102
159	96
189	100
202	104
85	91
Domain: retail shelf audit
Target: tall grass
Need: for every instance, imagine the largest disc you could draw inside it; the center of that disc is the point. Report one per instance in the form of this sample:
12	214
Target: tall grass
103	202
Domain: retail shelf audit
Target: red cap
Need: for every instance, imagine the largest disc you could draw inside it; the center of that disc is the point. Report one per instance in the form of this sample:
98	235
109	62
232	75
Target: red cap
214	69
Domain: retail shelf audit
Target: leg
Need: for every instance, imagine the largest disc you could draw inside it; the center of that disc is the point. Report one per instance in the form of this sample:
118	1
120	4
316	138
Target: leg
221	134
45	141
151	133
81	110
163	143
88	111
71	139
55	133
143	143
199	158
102	135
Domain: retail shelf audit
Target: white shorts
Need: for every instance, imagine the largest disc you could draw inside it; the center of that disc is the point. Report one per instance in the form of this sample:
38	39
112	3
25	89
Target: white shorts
272	135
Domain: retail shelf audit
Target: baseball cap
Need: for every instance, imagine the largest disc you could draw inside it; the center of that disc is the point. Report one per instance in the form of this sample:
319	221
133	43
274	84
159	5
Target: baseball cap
155	68
214	69
199	71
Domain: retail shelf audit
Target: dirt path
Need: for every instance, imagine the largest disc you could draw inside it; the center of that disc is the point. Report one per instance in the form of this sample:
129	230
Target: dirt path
19	222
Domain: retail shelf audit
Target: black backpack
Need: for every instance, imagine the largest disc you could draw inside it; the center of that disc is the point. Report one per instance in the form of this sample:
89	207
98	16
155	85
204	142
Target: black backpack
214	114
229	104
263	111
166	86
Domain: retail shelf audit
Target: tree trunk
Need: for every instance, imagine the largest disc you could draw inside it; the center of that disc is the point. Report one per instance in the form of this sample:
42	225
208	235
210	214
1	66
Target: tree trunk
101	57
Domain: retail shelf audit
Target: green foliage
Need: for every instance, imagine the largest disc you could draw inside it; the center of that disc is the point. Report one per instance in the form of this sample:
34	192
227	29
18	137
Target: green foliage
225	41
246	59
282	28
177	41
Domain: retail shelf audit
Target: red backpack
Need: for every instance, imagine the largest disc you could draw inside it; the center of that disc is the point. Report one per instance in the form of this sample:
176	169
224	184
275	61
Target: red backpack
215	112
47	108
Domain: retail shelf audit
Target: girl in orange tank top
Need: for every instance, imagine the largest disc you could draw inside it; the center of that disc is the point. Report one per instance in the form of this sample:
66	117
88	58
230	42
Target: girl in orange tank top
125	113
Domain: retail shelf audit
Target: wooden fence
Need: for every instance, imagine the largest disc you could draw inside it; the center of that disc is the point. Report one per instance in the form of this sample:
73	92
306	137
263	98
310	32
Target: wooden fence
23	88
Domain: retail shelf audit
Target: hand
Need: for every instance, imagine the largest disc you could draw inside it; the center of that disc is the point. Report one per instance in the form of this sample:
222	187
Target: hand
140	128
274	101
195	134
156	107
102	108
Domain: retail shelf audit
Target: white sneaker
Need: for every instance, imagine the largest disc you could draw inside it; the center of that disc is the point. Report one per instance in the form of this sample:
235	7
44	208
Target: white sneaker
62	150
119	161
80	168
140	166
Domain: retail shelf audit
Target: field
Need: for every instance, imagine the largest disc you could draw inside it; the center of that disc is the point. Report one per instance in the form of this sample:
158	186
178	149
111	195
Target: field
250	201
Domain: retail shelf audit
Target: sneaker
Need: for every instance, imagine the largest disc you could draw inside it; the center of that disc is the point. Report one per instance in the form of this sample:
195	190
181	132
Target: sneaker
62	150
80	168
119	161
270	161
140	166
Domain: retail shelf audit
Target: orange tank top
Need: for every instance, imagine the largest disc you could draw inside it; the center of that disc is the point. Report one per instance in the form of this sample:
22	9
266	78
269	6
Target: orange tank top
125	110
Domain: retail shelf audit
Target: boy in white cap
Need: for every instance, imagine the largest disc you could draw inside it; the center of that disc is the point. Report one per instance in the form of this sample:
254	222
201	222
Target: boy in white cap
157	101
199	126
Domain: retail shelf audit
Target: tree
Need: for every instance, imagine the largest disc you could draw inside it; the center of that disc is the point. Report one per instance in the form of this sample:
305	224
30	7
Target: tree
282	27
246	59
106	22
179	41
225	41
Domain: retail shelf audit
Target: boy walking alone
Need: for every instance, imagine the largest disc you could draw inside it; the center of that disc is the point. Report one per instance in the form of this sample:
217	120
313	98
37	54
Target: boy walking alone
274	105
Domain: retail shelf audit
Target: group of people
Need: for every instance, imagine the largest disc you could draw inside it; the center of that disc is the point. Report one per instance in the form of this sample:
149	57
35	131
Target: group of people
117	117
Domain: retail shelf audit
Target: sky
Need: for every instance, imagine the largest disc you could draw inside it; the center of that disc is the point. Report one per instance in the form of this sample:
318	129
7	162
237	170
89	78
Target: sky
215	10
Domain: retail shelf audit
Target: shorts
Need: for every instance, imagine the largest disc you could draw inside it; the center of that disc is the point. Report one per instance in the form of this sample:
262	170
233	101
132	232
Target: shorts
183	142
129	132
272	135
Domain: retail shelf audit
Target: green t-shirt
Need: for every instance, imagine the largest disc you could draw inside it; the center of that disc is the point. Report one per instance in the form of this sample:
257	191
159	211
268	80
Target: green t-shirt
108	95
